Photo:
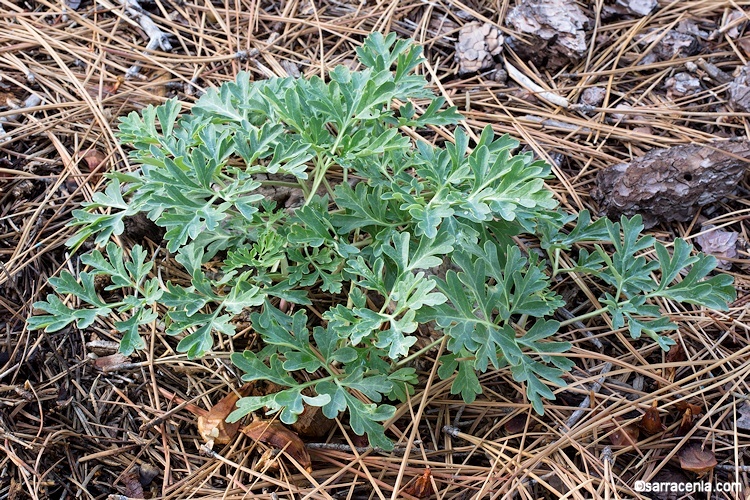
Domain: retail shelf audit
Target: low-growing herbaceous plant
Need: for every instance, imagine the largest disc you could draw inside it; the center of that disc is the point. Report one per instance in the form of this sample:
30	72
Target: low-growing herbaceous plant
393	235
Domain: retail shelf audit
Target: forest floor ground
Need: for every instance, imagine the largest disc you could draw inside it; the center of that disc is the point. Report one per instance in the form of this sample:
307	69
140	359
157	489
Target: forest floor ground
72	428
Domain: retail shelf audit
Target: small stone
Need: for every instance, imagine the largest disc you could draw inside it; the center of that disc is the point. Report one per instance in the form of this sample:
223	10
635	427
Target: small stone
593	96
500	75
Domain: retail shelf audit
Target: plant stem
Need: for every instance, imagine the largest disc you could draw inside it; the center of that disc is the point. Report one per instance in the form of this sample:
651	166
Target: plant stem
419	353
582	317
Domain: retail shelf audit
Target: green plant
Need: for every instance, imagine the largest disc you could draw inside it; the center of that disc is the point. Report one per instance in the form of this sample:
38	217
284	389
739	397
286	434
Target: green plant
404	235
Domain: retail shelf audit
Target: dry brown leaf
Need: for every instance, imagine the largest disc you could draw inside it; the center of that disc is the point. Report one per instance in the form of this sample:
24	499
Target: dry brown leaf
744	44
695	409
268	461
133	487
213	425
516	425
686	424
695	459
422	487
625	436
195	410
676	354
651	421
312	423
94	159
667	479
159	89
274	434
111	360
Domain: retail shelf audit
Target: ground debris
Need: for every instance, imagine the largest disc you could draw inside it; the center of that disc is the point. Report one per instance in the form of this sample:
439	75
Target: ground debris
477	45
274	434
672	184
593	96
665	484
696	458
734	23
637	8
133	486
690	27
665	47
681	85
550	32
743	422
719	243
739	90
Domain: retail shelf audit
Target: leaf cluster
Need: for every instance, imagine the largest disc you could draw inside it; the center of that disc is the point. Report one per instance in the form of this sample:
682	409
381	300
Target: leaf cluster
408	238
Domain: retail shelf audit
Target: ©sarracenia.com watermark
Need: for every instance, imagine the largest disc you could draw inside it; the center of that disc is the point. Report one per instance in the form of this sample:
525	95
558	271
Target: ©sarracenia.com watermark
687	487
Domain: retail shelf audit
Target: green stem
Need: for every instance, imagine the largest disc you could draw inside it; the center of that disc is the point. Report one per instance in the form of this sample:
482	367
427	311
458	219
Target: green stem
582	317
419	353
322	169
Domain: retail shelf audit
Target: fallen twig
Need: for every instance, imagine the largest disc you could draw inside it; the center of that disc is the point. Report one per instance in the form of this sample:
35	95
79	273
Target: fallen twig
525	82
549	122
359	449
711	70
157	39
576	416
580	326
30	102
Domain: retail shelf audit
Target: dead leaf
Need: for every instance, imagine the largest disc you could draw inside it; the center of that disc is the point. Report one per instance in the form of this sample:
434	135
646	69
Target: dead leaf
213	425
268	461
743	421
147	473
159	84
676	354
312	423
422	487
734	23
111	360
684	405
133	487
15	491
686	424
516	425
195	410
669	478
274	434
719	243
694	458
651	421
744	44
625	436
94	159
